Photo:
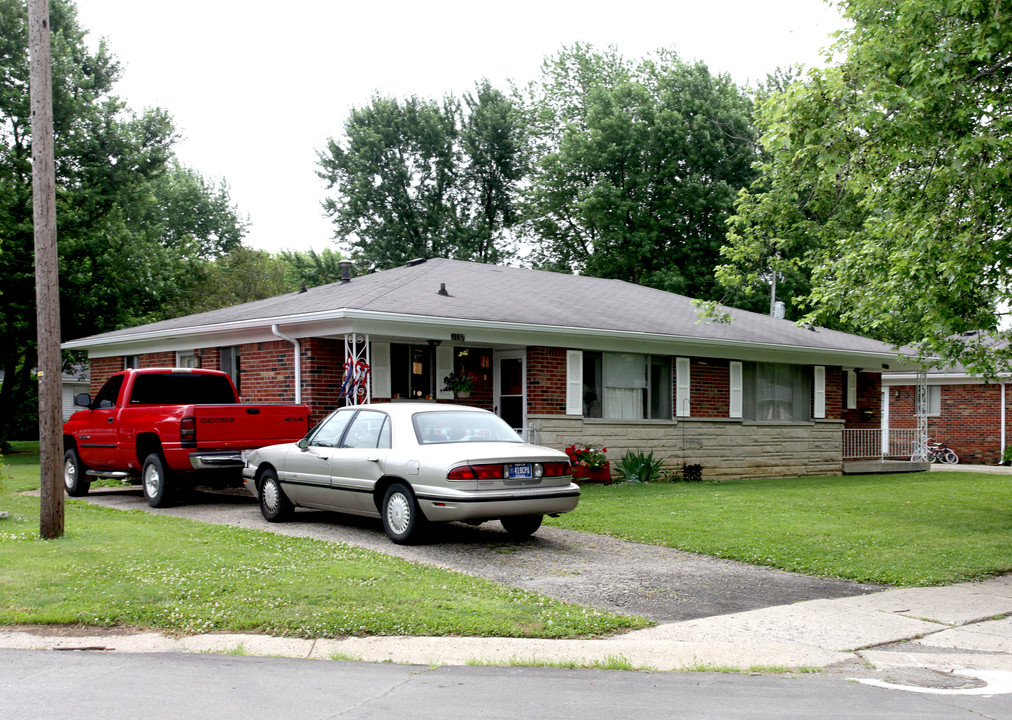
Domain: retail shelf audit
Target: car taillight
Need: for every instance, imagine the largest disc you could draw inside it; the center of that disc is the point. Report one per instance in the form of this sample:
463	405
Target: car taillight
476	472
188	432
556	469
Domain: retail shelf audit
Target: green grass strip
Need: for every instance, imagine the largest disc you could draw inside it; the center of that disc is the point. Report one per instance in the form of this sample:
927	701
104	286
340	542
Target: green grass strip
133	568
899	529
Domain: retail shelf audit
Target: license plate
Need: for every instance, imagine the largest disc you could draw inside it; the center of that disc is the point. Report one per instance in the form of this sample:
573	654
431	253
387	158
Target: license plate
519	472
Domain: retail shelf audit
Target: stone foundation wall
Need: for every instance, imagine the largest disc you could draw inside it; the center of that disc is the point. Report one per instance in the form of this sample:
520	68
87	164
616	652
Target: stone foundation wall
727	450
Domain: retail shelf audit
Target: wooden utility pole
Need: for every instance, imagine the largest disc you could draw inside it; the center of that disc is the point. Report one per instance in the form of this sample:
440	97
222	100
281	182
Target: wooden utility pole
47	290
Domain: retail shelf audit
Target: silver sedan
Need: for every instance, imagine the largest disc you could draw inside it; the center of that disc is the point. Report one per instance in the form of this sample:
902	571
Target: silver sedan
411	464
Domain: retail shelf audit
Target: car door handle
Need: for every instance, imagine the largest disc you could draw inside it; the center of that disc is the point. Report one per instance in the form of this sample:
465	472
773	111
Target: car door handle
323	457
373	458
111	419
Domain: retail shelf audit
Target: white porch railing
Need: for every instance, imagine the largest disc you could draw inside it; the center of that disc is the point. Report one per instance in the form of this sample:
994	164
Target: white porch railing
865	443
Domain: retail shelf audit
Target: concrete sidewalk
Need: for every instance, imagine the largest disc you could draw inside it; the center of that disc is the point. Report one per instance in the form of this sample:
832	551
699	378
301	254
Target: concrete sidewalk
946	639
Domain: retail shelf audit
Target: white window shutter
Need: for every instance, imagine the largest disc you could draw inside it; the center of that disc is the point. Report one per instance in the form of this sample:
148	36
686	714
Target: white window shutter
851	390
819	409
444	366
736	390
379	369
682	403
574	382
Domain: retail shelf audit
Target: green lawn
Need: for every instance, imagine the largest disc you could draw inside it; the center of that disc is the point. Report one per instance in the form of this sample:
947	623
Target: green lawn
133	568
909	529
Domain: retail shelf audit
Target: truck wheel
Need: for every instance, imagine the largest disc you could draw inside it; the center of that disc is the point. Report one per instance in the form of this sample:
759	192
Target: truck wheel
274	504
75	478
155	481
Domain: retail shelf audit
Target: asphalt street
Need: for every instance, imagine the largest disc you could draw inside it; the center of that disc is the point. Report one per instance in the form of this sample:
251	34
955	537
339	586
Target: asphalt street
46	685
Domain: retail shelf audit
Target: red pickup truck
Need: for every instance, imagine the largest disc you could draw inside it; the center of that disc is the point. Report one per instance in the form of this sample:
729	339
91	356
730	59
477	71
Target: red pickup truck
170	428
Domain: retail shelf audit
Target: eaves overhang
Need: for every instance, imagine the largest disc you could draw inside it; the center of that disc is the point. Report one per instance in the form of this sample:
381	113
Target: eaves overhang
340	321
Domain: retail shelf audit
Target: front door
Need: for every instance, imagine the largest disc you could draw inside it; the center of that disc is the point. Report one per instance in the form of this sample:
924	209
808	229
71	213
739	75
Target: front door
509	389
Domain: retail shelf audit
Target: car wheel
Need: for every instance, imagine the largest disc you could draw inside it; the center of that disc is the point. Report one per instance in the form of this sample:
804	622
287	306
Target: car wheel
521	526
155	481
274	504
402	518
75	478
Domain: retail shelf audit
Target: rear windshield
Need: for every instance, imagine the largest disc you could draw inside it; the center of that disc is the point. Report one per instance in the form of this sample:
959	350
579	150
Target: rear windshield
182	389
459	427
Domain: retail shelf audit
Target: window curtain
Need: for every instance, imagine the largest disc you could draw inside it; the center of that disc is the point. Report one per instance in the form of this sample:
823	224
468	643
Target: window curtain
625	384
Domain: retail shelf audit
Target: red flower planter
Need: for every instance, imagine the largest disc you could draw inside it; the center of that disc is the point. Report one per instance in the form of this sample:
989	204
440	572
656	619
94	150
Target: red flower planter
582	473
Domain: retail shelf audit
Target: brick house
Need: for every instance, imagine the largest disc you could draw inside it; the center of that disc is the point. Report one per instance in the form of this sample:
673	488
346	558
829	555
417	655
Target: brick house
563	358
969	414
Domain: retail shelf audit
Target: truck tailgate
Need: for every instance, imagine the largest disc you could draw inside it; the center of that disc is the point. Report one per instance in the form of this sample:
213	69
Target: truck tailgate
241	427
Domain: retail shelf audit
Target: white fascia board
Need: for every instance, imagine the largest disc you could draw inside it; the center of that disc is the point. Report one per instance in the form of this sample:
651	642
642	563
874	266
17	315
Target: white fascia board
953	378
333	323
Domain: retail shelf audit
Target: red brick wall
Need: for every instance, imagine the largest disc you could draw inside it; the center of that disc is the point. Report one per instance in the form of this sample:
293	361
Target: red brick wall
101	370
869	398
969	423
157	360
546	380
268	372
210	358
710	388
322	375
834	393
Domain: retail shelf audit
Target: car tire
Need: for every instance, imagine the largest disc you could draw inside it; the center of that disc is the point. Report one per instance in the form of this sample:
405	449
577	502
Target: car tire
155	481
402	518
274	504
521	526
75	478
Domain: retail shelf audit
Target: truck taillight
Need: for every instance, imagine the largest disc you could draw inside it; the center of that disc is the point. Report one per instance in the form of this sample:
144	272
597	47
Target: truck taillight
188	432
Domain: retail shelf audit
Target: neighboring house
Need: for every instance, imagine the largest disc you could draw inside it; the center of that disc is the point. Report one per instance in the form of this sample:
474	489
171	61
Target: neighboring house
76	380
969	414
563	358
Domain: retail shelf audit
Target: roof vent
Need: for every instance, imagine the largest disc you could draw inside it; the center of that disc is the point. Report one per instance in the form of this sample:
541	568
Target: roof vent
345	266
442	290
416	261
779	310
303	288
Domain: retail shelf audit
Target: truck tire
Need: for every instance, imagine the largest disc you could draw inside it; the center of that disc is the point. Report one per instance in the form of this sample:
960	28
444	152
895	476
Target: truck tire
155	481
75	478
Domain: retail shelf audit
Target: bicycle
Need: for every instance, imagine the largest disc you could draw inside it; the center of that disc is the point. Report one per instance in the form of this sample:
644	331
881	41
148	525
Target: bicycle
934	452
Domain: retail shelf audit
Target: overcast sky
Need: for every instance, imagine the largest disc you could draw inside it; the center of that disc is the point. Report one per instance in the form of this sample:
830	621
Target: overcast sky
257	88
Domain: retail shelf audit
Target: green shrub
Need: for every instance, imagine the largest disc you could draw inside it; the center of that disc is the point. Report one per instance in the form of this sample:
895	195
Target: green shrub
637	466
692	473
1006	455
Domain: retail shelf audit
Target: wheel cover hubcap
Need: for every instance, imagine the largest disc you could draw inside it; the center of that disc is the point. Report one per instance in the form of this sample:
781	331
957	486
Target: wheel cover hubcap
152	481
398	513
69	474
271	496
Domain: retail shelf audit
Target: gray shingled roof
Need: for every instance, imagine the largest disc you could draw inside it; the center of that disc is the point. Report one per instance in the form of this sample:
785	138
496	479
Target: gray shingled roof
496	294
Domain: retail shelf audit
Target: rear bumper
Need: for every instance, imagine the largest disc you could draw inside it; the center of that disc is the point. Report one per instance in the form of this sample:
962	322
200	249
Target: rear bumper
440	507
219	460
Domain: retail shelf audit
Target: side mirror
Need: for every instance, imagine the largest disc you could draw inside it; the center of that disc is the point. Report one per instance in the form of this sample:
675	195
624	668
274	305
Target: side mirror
82	400
304	443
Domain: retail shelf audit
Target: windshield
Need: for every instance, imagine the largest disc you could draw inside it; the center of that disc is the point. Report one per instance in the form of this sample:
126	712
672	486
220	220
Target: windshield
457	427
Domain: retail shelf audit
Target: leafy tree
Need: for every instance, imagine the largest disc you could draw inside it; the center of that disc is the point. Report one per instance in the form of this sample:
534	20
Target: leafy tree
638	167
889	180
424	179
312	268
131	222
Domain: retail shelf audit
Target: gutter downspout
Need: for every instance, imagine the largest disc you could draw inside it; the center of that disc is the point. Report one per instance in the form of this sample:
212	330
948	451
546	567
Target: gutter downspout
298	361
1002	456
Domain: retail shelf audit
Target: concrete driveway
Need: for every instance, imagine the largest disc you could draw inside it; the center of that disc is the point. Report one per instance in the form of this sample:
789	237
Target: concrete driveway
662	584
